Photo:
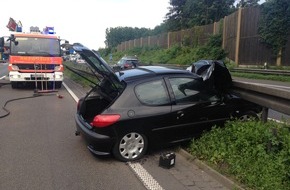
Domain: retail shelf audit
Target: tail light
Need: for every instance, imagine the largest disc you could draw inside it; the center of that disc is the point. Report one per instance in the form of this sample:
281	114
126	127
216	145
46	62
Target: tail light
78	105
105	120
127	65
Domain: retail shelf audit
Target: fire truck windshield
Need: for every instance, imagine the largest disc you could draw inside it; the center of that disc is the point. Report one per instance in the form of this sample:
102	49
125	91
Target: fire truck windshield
35	47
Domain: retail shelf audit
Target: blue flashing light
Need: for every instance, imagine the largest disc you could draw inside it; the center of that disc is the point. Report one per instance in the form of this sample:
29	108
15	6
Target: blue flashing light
19	29
49	30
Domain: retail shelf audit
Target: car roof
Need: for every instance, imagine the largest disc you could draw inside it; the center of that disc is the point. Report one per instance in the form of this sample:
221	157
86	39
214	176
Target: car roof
150	71
130	58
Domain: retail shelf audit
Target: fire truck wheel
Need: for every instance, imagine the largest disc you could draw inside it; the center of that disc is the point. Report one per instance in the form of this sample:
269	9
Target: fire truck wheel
58	84
14	84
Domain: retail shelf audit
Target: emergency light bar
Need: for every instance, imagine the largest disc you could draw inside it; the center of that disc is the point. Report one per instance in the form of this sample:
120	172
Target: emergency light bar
48	30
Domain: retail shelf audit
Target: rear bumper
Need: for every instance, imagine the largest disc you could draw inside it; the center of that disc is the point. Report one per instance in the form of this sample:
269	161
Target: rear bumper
15	76
98	144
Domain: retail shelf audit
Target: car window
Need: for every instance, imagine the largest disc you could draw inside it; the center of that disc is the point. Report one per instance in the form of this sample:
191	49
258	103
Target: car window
152	93
189	90
121	62
129	62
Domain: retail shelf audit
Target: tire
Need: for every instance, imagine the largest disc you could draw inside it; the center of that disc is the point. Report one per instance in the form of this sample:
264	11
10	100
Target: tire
248	115
14	85
58	85
131	146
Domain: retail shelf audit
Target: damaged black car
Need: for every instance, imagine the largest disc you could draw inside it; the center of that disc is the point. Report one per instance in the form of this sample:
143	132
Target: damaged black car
130	111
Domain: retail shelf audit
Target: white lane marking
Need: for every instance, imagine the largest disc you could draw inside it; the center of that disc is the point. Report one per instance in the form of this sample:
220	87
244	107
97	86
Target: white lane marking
71	92
148	181
2	77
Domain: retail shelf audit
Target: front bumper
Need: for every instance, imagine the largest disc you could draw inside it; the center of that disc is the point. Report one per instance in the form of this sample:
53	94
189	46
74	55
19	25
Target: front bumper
98	144
15	76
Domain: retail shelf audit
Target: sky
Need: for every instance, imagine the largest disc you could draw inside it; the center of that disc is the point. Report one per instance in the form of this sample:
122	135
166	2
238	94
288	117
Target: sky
83	21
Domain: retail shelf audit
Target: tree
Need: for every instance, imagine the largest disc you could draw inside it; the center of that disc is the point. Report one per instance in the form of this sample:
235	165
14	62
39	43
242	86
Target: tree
274	26
174	18
203	12
247	3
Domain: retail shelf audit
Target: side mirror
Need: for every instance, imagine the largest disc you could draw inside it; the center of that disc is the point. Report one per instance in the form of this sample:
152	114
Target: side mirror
13	39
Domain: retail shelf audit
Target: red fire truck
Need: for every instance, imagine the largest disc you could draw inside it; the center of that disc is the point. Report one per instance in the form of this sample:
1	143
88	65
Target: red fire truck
35	57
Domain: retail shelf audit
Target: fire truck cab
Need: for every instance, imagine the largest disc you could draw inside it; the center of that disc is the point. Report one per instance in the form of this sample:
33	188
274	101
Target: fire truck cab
35	57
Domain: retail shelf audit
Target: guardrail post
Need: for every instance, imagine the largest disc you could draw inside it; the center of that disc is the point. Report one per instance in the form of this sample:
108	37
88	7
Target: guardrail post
265	114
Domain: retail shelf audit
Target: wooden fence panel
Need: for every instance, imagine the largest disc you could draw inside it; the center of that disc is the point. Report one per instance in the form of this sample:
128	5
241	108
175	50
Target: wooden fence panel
250	50
230	35
153	41
174	38
138	42
286	54
163	40
207	31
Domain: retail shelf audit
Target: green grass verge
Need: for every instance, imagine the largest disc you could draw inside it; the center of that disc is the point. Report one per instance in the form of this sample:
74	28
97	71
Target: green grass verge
257	154
261	76
71	75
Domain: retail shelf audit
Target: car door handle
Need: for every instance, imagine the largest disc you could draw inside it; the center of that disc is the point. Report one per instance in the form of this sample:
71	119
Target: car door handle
180	114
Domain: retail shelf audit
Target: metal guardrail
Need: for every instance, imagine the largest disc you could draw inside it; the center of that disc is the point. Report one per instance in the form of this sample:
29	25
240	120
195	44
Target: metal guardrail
269	97
262	71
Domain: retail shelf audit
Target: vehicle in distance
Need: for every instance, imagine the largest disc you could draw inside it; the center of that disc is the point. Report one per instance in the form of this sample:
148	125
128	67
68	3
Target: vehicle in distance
127	62
129	111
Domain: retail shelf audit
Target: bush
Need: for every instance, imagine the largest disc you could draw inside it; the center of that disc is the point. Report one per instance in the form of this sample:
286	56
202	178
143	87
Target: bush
257	154
212	49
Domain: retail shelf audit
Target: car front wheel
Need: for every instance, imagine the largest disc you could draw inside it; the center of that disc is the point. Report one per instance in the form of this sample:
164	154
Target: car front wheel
131	146
248	115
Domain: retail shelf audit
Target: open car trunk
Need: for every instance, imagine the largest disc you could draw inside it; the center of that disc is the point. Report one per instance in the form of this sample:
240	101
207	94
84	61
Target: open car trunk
92	106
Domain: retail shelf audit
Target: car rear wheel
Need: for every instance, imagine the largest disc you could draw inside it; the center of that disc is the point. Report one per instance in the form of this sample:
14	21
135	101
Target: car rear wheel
131	146
248	115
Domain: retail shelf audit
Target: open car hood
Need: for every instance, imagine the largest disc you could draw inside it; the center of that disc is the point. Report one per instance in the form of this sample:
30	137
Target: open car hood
214	73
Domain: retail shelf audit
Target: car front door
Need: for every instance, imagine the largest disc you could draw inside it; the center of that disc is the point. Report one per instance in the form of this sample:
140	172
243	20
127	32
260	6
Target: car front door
195	108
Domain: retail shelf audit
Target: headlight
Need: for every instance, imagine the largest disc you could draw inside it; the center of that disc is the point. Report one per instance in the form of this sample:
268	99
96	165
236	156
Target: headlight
58	68
12	67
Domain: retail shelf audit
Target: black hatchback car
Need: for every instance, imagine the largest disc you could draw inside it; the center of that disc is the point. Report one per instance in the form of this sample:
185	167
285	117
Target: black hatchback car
129	111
